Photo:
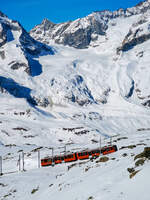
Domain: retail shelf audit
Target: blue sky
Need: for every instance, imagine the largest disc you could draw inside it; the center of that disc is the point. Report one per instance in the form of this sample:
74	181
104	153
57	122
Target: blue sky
31	12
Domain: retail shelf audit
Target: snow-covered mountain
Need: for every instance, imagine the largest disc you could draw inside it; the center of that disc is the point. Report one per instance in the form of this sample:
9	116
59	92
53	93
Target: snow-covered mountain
54	95
85	31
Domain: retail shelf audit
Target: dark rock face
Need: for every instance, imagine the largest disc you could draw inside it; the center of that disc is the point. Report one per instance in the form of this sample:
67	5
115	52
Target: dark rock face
80	38
41	101
138	34
130	44
3	36
2	54
17	65
147	103
69	34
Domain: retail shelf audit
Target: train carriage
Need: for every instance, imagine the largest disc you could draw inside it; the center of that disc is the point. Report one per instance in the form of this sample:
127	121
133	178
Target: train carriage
70	157
108	149
46	161
82	155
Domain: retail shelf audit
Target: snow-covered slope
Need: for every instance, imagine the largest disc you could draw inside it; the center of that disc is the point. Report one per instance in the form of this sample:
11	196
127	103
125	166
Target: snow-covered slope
56	96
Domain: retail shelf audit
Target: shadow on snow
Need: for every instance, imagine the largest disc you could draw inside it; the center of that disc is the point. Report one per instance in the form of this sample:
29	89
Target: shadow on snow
18	91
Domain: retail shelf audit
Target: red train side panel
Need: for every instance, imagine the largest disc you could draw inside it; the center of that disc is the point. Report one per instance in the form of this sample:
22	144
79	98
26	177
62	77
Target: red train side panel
109	149
58	159
82	155
46	162
70	157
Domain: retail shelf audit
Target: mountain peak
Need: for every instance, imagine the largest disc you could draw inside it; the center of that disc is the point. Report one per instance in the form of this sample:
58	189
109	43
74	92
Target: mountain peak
46	21
2	14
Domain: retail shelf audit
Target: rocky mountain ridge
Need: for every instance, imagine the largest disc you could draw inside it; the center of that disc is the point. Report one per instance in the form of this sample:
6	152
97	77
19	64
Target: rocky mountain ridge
82	32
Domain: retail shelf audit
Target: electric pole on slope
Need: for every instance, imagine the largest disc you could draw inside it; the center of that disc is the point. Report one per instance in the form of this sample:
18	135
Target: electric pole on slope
110	140
23	161
1	172
39	163
19	163
100	145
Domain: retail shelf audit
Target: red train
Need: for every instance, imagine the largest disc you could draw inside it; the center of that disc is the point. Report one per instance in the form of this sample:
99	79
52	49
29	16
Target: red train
78	156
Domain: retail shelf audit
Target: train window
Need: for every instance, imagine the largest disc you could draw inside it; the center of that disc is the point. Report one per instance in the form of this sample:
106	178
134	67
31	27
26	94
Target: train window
95	151
45	160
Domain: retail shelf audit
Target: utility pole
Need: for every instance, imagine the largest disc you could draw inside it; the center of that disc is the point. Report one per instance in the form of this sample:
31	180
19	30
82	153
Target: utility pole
100	146
39	159
19	164
110	140
52	152
23	161
65	149
1	173
51	148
